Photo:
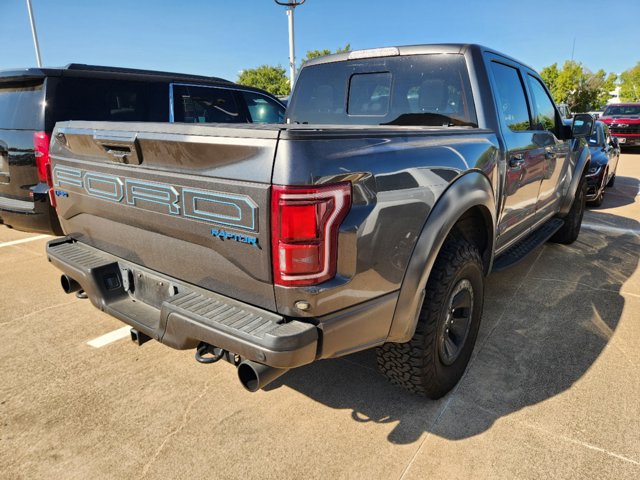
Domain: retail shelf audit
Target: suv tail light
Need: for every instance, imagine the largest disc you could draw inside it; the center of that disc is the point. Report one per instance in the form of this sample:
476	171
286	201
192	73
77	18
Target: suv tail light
304	234
41	150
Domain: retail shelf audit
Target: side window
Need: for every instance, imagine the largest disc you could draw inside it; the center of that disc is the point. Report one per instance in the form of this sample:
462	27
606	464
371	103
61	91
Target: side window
263	109
512	102
194	104
545	111
369	94
114	100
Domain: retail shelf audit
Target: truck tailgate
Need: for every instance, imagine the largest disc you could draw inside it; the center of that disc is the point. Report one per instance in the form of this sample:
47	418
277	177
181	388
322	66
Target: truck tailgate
187	201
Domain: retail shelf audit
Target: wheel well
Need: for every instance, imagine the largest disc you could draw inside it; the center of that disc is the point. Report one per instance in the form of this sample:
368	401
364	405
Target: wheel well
476	227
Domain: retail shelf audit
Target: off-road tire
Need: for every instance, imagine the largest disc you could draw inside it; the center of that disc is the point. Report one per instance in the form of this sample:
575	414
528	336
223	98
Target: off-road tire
569	232
418	365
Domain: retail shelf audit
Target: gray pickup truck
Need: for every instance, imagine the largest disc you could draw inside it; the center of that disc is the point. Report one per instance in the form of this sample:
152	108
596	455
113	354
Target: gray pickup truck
402	177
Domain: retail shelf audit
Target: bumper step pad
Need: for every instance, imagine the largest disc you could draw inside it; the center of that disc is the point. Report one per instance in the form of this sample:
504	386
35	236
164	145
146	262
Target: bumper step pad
189	315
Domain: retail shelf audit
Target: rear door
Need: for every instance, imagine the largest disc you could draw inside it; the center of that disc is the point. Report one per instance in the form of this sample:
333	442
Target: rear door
21	114
525	153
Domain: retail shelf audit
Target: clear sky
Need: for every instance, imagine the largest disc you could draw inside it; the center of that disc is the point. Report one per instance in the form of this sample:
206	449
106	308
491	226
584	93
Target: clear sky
220	38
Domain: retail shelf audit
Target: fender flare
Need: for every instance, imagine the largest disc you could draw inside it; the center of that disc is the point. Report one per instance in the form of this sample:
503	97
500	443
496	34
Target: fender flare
578	172
471	190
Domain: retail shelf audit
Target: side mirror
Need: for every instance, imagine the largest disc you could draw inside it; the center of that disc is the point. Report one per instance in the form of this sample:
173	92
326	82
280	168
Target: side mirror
614	142
582	125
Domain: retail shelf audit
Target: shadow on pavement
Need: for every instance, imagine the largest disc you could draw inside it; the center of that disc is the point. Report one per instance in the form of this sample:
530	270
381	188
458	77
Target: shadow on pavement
623	193
545	324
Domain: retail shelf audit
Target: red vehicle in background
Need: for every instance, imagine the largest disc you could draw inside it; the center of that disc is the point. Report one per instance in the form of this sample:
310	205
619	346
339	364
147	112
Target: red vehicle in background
624	122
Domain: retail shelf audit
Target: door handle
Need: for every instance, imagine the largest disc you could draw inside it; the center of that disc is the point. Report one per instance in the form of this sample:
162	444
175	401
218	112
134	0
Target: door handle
516	161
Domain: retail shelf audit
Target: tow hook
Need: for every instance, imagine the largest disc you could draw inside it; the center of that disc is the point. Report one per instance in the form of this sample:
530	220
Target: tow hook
206	353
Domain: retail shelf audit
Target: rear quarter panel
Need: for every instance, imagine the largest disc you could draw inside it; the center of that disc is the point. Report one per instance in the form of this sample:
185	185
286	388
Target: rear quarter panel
398	176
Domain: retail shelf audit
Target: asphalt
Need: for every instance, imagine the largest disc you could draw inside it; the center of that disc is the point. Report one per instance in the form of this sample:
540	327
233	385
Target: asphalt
552	390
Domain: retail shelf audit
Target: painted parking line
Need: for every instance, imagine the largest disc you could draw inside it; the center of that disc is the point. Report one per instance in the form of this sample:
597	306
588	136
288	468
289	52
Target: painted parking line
24	240
608	229
110	337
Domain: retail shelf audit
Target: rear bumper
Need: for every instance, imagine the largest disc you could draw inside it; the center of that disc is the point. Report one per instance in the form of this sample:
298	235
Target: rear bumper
30	215
181	315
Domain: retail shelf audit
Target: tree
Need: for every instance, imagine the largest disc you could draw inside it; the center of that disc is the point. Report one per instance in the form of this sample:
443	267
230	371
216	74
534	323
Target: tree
577	86
320	53
606	86
272	79
630	84
550	76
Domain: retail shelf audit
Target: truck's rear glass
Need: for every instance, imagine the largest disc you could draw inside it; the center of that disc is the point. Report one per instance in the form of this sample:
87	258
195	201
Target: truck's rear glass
21	107
421	90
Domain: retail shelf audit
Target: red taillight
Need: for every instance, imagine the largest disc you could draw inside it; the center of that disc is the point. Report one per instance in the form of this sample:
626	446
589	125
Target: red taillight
304	234
41	150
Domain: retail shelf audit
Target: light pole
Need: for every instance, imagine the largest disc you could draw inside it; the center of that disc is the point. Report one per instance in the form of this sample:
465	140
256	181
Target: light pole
291	5
34	33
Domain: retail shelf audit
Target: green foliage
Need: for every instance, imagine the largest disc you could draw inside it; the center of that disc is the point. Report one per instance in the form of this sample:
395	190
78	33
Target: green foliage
630	84
272	79
550	76
320	53
577	86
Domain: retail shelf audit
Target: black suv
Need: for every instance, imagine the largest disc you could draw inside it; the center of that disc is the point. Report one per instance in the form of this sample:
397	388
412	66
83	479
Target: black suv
33	100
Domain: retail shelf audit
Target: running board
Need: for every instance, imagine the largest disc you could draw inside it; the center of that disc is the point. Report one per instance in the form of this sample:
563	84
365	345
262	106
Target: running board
524	247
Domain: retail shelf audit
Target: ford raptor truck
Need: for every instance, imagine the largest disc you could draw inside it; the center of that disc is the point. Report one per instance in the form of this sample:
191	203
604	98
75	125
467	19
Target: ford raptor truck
402	177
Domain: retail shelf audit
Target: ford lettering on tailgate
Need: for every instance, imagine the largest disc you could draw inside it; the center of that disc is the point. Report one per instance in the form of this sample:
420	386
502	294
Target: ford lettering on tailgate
237	211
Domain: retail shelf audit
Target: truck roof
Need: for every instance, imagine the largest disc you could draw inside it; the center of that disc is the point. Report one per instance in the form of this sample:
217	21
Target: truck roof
423	49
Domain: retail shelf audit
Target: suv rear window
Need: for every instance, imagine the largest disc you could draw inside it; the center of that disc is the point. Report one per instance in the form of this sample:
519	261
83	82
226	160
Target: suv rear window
431	90
107	100
21	107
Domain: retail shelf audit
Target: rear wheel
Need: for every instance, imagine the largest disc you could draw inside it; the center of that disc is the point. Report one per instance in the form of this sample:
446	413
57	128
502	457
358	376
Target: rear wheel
572	222
434	360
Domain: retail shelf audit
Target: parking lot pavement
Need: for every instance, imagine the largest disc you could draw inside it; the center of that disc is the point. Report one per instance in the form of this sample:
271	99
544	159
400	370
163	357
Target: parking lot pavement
552	390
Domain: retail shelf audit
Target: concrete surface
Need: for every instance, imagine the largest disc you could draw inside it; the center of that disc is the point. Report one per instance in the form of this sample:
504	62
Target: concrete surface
552	391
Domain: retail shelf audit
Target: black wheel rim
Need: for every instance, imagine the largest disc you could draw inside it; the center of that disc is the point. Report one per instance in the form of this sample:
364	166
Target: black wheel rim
455	329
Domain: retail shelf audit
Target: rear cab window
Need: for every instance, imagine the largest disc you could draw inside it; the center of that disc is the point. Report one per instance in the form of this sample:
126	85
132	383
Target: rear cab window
419	90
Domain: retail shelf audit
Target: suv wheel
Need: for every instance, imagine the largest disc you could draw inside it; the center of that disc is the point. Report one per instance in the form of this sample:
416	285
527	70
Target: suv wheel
434	360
